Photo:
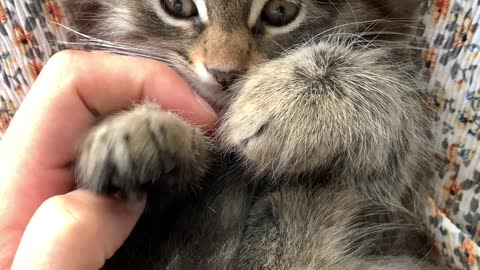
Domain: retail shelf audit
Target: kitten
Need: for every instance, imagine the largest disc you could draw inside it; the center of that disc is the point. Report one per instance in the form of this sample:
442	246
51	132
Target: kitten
322	157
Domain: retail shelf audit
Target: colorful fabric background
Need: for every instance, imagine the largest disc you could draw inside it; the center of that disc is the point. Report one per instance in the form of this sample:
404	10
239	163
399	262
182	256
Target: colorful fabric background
29	32
449	64
447	58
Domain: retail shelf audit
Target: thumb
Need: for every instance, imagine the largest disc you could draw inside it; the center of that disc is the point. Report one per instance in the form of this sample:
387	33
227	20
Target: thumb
76	231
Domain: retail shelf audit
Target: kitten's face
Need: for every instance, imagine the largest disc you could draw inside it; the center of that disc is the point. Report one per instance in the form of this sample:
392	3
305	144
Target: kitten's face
213	42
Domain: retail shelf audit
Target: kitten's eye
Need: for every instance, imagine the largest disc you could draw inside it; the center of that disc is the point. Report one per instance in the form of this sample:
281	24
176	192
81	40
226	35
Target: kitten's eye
181	8
279	12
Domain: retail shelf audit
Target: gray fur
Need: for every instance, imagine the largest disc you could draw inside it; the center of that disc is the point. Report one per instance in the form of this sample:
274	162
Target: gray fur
321	160
145	145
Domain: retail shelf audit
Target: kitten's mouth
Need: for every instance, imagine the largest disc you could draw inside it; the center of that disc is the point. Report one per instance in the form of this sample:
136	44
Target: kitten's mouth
216	95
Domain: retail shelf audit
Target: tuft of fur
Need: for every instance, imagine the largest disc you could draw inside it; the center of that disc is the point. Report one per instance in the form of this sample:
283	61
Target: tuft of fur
324	158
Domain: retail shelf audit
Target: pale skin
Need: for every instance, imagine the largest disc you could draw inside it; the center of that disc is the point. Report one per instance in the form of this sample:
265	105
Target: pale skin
44	222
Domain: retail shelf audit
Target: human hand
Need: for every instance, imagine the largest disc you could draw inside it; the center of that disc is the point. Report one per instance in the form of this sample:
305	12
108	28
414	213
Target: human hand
75	229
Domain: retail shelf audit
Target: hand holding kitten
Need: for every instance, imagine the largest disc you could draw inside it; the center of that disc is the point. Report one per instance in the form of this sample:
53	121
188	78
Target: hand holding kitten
74	228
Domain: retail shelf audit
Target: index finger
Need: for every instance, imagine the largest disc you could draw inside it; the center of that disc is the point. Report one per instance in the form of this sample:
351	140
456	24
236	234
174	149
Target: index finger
73	89
88	86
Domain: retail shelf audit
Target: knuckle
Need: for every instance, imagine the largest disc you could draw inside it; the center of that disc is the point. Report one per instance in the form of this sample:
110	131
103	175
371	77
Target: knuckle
60	208
64	59
64	69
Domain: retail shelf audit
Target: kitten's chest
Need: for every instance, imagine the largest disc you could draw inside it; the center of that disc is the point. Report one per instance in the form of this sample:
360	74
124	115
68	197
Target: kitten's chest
215	231
236	224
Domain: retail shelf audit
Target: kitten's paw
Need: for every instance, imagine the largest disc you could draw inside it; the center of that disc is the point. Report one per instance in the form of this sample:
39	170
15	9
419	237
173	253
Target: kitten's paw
132	151
323	106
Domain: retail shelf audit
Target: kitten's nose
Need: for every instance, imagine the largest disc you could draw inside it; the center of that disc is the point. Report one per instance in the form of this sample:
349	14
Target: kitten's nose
225	78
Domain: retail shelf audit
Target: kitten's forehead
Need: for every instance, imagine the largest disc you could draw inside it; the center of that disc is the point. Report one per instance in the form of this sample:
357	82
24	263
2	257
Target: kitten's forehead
228	12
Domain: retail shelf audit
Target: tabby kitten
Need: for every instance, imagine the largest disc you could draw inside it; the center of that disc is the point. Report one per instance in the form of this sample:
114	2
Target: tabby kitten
321	159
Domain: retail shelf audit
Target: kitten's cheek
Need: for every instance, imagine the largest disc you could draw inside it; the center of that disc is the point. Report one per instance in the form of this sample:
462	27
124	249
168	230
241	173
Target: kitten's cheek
76	231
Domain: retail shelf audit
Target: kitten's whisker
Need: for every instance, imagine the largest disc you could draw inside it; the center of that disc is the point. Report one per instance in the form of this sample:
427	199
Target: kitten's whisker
340	28
369	25
125	51
353	14
123	48
368	28
340	13
339	31
279	45
389	33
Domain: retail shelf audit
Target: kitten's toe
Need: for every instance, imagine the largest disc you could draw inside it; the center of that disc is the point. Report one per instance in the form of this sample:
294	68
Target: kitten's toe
137	150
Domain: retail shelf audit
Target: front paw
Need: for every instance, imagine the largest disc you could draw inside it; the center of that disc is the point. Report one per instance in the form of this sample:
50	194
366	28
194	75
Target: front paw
323	106
133	151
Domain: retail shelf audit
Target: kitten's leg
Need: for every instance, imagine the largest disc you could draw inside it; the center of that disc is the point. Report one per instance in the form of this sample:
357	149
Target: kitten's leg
132	151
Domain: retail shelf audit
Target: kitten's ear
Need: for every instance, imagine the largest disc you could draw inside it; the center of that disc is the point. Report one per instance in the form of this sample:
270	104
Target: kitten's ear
81	13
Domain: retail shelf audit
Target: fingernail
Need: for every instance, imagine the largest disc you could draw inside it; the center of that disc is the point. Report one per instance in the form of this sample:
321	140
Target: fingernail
205	105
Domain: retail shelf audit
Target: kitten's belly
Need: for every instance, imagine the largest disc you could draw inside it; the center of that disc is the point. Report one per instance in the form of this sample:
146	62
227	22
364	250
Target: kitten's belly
237	227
